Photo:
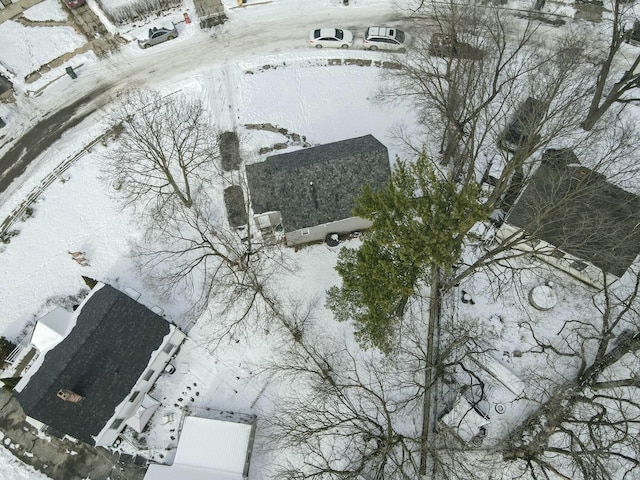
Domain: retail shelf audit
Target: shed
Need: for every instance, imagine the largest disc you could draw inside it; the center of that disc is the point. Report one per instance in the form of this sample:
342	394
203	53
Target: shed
209	449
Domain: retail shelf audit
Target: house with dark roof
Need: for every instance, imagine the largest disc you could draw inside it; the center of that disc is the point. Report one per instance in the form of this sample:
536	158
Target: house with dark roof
93	369
311	193
573	218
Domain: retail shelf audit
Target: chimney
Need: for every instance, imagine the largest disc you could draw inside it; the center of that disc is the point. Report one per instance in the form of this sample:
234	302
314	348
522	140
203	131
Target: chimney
69	396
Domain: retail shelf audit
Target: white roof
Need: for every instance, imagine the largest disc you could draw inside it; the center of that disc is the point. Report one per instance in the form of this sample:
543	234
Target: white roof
208	449
143	413
52	328
498	371
184	472
214	444
464	419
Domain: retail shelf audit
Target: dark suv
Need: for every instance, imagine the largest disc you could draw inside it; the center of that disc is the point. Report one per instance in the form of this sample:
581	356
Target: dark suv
521	130
448	45
632	35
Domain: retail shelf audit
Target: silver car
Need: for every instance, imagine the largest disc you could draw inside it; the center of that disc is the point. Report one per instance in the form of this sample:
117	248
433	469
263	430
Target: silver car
384	38
158	35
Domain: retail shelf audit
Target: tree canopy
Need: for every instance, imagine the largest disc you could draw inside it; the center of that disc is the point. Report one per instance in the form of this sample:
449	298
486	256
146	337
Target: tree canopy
419	222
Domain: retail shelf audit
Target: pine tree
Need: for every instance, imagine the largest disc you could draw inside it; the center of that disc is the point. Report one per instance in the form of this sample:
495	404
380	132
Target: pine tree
419	223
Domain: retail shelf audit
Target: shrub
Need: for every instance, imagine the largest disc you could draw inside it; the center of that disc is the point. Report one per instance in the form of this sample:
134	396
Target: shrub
136	9
5	237
6	347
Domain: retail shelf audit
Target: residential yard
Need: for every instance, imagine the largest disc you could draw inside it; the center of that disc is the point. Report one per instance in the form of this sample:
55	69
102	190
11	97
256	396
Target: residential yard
519	356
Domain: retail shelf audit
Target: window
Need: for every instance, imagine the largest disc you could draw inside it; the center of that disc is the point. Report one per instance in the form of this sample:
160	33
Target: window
557	254
168	348
116	423
578	265
133	396
148	375
532	242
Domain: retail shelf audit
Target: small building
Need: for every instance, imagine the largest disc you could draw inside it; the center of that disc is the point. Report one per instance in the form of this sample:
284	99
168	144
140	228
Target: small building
94	367
209	449
464	420
574	219
313	191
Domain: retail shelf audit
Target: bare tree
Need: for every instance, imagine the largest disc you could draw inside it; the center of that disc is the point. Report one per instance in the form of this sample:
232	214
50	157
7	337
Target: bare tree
622	90
466	94
166	150
353	418
588	427
167	165
357	414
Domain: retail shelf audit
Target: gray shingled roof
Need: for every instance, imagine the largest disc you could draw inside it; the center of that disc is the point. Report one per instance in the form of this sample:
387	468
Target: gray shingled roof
318	185
578	211
101	359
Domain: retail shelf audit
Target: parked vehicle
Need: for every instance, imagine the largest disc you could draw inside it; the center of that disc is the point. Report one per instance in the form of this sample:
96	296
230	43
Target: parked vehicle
158	35
331	38
446	45
632	35
384	38
522	128
74	3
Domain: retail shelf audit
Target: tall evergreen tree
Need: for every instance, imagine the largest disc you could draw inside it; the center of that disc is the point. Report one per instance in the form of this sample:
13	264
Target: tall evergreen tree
419	223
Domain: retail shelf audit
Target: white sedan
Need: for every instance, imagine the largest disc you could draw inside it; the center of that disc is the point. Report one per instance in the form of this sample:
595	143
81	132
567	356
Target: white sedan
331	37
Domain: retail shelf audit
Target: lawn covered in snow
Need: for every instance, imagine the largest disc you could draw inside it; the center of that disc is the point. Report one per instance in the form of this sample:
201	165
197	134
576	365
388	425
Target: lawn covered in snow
297	89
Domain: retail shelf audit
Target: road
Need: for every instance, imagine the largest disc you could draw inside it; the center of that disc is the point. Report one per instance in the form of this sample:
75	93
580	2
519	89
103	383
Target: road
39	138
248	34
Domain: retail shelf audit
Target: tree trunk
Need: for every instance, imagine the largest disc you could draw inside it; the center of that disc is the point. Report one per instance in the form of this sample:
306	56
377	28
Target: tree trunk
428	420
595	109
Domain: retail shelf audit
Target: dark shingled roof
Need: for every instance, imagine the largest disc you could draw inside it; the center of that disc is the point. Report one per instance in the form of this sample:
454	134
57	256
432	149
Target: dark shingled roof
318	185
578	211
236	207
101	359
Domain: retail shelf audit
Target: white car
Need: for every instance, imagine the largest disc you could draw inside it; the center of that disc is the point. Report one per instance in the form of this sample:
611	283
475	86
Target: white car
384	38
331	37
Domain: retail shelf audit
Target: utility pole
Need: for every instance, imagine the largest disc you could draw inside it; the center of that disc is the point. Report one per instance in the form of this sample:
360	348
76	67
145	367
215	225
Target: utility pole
427	464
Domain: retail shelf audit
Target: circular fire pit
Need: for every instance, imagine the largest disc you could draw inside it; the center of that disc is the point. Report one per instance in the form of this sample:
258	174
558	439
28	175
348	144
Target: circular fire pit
543	297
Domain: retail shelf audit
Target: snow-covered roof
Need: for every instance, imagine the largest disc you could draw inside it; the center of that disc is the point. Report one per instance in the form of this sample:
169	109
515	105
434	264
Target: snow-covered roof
52	328
208	448
499	372
214	444
143	413
185	472
464	419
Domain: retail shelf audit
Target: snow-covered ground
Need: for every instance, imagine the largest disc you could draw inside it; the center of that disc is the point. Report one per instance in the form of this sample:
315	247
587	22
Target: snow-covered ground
301	92
13	469
246	72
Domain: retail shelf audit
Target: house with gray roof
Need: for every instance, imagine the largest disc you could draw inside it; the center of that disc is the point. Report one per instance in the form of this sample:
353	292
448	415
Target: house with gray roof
90	378
312	192
575	219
